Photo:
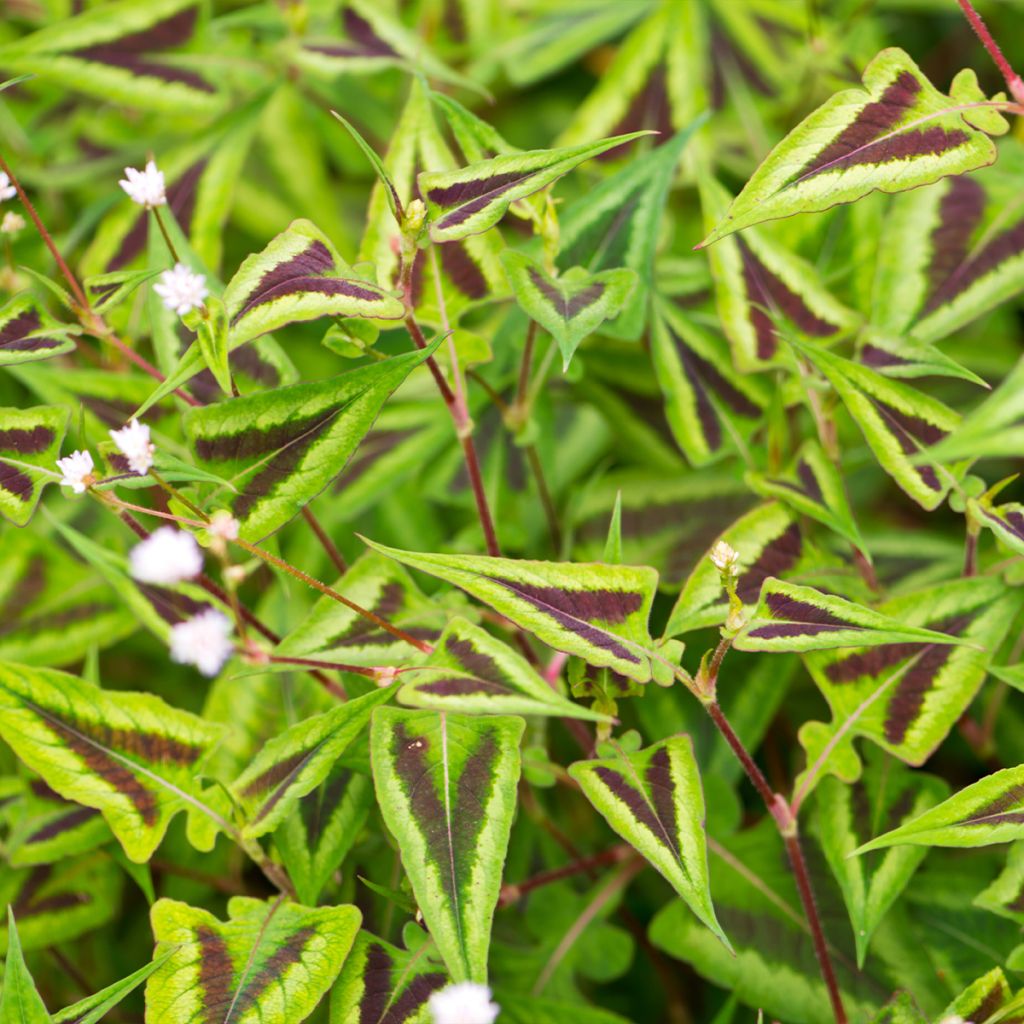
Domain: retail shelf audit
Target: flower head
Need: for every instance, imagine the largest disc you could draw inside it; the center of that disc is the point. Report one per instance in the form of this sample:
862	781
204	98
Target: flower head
166	557
181	289
134	444
7	190
223	525
724	557
464	1003
145	187
203	641
77	471
12	223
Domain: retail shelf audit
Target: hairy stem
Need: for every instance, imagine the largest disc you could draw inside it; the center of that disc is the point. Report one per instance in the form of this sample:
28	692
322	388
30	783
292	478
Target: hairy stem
1013	81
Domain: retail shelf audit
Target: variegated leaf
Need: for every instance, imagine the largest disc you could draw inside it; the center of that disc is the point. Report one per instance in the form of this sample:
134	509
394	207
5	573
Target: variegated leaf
654	800
794	618
278	449
1005	521
989	998
474	198
597	612
300	276
896	133
44	828
446	787
297	761
20	1001
30	441
571	306
269	961
28	334
94	1008
475	673
905	357
129	755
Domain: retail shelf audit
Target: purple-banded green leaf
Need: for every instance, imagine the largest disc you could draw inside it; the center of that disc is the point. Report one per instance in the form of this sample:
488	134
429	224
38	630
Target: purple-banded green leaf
446	787
20	1001
904	357
896	133
45	828
654	800
813	488
711	408
472	672
384	985
269	961
300	276
129	755
899	423
108	291
845	816
571	306
294	763
986	812
795	618
122	52
762	290
1005	521
1005	896
94	1008
472	199
989	998
314	840
907	696
278	449
597	612
28	333
30	441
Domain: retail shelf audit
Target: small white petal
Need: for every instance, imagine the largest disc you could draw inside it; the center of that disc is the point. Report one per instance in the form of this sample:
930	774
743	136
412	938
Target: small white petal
134	444
145	187
77	471
7	190
223	525
723	556
464	1003
181	289
12	222
203	641
166	557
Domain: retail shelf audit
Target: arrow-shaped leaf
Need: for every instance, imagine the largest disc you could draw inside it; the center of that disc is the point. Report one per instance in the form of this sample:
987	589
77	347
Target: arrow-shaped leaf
31	440
446	787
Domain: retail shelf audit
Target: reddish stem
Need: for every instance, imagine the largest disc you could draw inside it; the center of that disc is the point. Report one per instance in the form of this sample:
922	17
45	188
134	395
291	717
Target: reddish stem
511	893
1013	81
325	541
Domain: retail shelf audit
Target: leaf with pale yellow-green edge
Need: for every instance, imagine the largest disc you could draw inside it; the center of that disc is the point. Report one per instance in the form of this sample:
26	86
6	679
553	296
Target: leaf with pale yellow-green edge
20	1002
30	442
93	1008
446	787
270	961
130	755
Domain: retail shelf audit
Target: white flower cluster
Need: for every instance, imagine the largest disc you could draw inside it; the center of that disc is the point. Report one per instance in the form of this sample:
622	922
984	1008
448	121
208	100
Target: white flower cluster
167	556
76	471
203	641
7	190
145	187
134	444
181	289
464	1003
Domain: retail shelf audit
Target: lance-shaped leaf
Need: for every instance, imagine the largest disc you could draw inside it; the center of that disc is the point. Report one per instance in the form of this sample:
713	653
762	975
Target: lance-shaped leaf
120	53
446	787
710	407
92	1009
300	276
27	333
762	290
1005	896
296	762
905	357
1005	521
898	422
129	755
20	1001
269	961
30	441
571	306
988	998
279	449
794	618
844	818
44	828
474	198
385	985
654	800
986	812
597	612
907	696
896	133
472	671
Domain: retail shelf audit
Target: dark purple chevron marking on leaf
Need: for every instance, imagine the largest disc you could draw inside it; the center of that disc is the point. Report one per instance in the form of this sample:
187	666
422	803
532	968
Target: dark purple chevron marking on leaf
798	618
649	108
1004	809
777	558
361	631
273	783
272	970
663	794
30	902
913	434
71	819
377	1006
362	41
26	440
317	807
374	445
55	621
245	361
476	188
464	686
14	334
566	306
1011	520
647	813
880	358
725	56
805	471
481	665
216	973
462	270
575	610
171	606
960	212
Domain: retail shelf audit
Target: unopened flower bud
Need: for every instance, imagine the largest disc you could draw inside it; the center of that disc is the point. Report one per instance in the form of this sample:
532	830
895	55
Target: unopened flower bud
724	557
415	215
12	223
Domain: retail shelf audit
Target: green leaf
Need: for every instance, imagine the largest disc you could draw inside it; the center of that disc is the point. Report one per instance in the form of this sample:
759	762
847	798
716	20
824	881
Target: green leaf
45	829
477	139
472	672
1003	896
446	787
300	276
31	440
899	356
129	755
107	292
269	961
1005	521
212	337
472	199
278	449
296	762
28	333
390	192
20	1002
794	618
846	815
988	998
571	306
597	612
654	800
897	133
93	1008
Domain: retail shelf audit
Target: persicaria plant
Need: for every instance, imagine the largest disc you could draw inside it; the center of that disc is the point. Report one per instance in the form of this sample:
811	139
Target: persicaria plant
531	535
